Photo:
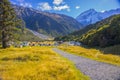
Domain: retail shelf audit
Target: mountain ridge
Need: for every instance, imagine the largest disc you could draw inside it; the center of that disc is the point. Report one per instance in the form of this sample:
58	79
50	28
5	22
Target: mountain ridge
47	23
106	35
91	16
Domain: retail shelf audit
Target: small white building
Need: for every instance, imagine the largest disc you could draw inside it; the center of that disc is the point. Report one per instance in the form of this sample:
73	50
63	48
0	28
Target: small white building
25	43
74	43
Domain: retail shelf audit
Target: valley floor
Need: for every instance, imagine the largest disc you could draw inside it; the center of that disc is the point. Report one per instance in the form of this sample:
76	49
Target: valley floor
48	63
95	70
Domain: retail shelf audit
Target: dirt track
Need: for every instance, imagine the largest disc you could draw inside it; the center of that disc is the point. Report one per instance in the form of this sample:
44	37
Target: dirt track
95	70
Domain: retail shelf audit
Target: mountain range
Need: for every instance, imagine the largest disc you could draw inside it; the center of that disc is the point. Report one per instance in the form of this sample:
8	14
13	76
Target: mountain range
40	24
92	16
51	24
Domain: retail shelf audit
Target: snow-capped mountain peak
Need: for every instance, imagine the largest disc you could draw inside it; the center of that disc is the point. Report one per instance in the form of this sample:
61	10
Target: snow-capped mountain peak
91	16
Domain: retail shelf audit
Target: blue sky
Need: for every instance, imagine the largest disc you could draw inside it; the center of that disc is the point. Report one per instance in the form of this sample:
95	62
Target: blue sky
69	7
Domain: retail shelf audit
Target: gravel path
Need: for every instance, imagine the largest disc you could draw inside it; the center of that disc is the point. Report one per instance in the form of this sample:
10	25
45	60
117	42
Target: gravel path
95	70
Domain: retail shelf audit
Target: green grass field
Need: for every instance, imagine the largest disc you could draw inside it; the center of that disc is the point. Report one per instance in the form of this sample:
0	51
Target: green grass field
92	54
36	63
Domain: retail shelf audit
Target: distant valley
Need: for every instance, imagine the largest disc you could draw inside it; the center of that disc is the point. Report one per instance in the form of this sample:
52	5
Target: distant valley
103	33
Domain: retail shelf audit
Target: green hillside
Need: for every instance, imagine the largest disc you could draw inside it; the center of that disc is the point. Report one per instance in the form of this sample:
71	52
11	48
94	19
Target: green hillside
77	34
103	33
25	35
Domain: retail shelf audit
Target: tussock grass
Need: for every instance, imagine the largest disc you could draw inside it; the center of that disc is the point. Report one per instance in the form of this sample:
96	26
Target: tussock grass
36	63
92	54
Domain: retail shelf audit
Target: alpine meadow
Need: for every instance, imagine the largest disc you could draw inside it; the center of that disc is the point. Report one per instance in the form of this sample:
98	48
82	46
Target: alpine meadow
59	40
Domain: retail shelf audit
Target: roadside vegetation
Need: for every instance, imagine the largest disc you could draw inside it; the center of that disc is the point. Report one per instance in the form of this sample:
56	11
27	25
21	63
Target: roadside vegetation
92	54
111	49
36	63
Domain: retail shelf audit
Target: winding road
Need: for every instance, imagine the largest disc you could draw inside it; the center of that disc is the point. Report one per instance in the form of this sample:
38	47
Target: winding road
95	70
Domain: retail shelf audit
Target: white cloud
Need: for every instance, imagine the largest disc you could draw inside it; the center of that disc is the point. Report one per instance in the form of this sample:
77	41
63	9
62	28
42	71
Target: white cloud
57	2
44	6
59	8
102	11
58	5
26	5
77	7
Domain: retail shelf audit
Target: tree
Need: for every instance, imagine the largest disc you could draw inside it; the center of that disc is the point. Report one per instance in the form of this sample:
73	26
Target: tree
8	21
